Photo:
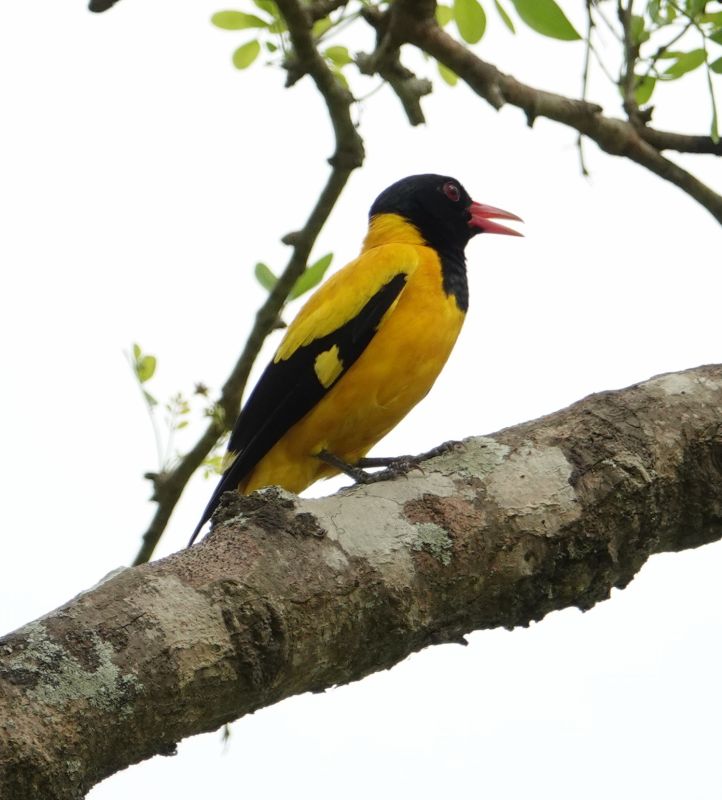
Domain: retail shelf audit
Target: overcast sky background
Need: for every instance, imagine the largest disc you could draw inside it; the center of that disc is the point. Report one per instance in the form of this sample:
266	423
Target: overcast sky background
141	177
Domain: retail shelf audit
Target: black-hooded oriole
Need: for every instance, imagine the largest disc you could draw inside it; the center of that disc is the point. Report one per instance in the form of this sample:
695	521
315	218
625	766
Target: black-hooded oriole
367	345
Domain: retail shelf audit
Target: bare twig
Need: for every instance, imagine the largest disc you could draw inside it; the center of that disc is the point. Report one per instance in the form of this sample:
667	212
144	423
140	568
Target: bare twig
614	136
386	62
681	142
405	84
585	81
348	155
318	9
627	78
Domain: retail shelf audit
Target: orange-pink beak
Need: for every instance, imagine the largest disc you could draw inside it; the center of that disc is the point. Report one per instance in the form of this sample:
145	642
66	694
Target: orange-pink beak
482	216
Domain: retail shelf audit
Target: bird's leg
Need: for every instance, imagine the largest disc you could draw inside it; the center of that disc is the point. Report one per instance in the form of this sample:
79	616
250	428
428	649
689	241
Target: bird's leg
406	461
393	466
353	471
381	461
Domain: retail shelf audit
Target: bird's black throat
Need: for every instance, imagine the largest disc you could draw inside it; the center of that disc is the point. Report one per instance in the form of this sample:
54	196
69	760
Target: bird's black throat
453	275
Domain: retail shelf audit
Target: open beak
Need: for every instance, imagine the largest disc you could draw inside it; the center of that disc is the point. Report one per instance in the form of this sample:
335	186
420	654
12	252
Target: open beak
482	216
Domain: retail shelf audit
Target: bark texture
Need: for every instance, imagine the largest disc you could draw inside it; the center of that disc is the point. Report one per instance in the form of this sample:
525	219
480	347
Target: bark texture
288	595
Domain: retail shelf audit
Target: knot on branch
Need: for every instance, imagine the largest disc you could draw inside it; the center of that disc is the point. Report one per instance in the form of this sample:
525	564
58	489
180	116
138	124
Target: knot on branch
347	157
386	62
406	85
617	137
159	480
294	70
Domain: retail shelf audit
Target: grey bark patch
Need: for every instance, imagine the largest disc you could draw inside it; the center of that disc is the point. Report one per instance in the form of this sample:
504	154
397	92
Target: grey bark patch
534	483
476	457
434	540
62	677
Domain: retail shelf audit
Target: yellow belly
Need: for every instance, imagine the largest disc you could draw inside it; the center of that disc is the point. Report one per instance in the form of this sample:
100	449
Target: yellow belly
391	376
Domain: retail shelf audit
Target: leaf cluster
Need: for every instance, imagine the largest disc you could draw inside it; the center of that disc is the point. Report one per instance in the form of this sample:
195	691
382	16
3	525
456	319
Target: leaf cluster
670	39
169	417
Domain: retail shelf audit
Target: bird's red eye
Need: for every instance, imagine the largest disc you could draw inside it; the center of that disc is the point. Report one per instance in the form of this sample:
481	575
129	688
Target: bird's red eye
451	190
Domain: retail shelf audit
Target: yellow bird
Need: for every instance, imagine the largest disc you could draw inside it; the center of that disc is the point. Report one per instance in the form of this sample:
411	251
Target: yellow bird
367	345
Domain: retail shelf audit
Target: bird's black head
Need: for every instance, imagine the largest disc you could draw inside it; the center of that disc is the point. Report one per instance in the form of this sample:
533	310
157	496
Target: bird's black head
441	210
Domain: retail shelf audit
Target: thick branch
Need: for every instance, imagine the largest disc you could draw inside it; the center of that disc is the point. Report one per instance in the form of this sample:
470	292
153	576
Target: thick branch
287	595
348	155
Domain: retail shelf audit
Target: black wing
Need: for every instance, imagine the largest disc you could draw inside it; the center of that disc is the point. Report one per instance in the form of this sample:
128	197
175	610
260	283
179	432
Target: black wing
290	388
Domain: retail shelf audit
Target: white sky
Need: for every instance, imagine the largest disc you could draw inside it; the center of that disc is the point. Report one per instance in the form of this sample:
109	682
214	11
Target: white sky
141	179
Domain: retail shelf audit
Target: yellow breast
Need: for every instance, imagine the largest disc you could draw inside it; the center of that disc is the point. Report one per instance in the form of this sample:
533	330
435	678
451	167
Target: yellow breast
391	376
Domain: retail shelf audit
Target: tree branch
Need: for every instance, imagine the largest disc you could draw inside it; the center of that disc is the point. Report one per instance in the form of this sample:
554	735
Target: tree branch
288	595
681	142
614	136
348	155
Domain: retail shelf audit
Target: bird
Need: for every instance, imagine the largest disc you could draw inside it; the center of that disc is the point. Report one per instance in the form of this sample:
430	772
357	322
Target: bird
366	347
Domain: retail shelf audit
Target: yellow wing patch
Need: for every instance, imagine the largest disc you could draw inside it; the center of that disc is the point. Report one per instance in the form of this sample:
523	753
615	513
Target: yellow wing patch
344	294
328	366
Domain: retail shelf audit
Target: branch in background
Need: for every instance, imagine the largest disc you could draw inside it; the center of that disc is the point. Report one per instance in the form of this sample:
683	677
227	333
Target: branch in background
614	136
318	9
404	83
287	595
347	156
681	142
386	62
628	79
585	81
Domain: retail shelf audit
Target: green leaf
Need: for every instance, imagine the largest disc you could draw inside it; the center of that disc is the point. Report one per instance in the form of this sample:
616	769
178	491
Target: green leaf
653	11
448	75
504	16
470	20
716	36
639	35
716	66
694	6
320	27
340	77
444	15
686	63
715	18
264	276
246	54
545	17
136	351
311	277
278	26
338	55
237	20
145	368
272	48
268	6
644	89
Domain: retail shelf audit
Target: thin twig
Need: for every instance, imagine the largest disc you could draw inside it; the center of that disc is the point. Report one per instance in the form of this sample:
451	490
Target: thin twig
681	142
348	155
627	77
614	136
585	82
